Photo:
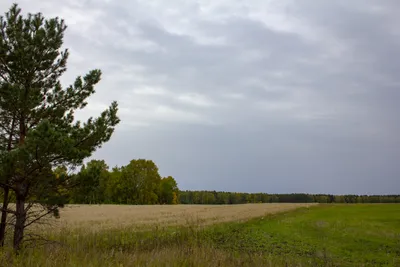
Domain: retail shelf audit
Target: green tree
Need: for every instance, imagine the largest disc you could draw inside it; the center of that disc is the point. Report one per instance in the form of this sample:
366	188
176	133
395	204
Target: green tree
38	115
168	188
322	199
114	187
91	183
209	198
339	199
136	183
273	199
174	198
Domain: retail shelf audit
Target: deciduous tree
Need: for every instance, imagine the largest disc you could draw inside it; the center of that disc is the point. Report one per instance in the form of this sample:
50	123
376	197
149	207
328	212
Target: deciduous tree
141	181
168	189
91	183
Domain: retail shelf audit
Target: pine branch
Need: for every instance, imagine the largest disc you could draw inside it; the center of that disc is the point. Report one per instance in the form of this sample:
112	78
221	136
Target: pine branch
4	185
2	74
41	216
8	210
6	130
4	37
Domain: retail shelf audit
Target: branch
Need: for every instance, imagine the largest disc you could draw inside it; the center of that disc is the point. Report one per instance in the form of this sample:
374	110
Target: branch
3	185
8	210
29	206
37	158
83	140
3	77
41	216
8	131
7	70
40	166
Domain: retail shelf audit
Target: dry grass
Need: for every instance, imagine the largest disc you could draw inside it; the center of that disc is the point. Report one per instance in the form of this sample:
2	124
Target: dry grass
128	235
102	217
169	257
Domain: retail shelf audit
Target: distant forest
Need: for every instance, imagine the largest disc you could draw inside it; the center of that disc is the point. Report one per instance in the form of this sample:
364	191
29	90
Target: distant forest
140	183
214	197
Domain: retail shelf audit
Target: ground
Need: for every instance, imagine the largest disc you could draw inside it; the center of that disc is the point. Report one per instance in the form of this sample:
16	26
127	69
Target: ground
236	235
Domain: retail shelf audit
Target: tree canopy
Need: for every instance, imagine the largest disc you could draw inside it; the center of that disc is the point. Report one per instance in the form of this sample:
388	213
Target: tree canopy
139	182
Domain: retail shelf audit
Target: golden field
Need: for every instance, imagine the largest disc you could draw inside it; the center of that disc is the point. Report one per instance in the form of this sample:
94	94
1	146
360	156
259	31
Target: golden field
101	217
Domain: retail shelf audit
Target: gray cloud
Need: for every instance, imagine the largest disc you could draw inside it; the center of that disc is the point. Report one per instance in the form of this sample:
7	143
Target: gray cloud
263	96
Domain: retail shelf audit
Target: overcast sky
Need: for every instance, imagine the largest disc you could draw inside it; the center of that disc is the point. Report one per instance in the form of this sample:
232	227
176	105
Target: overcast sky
251	96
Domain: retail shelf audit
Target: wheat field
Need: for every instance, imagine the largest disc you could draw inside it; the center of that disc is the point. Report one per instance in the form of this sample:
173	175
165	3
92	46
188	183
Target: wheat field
102	217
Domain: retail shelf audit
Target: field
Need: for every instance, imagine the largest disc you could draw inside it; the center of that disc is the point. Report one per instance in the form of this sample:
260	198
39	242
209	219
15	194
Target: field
200	235
121	216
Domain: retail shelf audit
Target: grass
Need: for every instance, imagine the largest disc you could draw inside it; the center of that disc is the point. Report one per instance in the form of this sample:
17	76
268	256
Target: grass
333	235
323	235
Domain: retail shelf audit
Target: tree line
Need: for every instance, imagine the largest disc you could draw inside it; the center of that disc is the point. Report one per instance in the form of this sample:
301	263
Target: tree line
220	197
138	183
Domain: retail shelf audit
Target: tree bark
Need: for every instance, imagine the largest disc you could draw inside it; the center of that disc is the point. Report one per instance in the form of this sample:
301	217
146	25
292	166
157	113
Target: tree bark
21	189
4	216
19	223
6	198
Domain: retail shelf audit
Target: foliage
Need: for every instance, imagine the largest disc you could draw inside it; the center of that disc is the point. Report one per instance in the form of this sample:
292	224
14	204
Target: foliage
133	184
140	180
218	197
38	130
139	183
136	183
90	183
168	191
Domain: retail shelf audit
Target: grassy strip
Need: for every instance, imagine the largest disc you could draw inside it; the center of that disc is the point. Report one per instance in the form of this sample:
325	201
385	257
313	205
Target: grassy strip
327	235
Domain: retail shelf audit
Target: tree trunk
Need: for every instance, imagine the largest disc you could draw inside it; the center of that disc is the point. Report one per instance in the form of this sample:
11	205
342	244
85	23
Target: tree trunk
20	214
6	199
19	223
4	216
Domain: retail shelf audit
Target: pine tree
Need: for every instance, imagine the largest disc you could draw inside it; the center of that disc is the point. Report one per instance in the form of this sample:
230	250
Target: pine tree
37	128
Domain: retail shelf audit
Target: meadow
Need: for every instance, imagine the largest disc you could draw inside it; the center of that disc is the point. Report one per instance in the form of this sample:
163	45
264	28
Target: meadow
217	235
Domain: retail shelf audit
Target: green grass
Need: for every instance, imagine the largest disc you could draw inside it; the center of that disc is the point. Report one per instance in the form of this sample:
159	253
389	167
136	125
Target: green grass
325	235
333	235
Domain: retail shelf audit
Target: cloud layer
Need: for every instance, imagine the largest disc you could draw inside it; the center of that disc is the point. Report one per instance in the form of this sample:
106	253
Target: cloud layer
271	96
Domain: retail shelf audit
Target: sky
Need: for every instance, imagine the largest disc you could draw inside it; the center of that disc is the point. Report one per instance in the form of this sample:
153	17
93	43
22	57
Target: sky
249	96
